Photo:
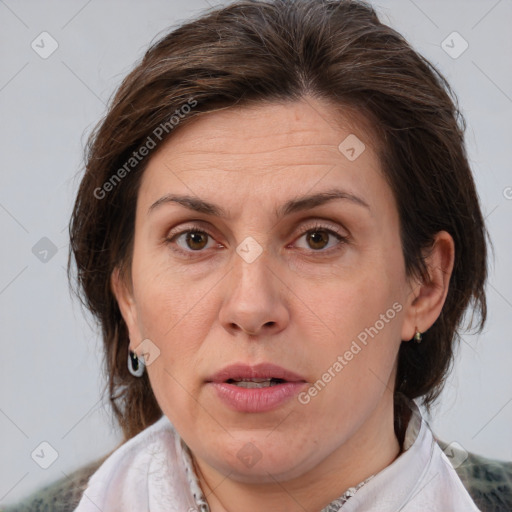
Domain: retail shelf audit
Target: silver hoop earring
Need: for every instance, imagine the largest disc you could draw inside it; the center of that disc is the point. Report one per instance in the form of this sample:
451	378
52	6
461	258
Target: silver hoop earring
135	364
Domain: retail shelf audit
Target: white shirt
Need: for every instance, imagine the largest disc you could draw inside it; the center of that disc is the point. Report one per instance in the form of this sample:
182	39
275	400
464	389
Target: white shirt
153	472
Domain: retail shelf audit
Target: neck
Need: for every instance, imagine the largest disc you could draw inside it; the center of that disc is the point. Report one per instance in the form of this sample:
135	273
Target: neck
373	447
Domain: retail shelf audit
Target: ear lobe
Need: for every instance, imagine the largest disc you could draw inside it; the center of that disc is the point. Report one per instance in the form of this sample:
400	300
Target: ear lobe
430	296
124	296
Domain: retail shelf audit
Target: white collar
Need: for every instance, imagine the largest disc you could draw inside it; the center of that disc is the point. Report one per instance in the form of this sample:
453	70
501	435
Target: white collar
420	479
153	472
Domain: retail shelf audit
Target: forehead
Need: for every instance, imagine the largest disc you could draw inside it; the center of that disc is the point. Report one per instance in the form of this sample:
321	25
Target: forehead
278	126
267	149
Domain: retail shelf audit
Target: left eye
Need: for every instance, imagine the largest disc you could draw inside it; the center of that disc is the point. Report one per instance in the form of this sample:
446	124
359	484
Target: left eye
318	238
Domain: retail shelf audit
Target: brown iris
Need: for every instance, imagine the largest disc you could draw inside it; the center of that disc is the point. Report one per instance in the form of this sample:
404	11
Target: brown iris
194	237
318	237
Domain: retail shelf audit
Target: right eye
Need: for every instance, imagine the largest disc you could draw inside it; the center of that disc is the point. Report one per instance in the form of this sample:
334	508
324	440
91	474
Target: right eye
190	240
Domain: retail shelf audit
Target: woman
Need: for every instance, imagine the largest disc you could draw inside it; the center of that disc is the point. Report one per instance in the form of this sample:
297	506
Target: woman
279	233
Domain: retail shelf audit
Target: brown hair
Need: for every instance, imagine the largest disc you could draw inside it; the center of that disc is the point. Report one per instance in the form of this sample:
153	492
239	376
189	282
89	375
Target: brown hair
256	51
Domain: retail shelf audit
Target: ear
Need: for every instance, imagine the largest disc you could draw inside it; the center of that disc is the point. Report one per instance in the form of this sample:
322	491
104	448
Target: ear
427	298
123	292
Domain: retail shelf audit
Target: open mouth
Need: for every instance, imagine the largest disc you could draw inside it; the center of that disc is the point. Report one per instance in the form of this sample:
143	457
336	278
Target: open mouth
255	383
257	388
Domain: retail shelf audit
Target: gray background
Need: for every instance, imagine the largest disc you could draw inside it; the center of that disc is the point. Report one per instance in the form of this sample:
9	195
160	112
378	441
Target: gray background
51	376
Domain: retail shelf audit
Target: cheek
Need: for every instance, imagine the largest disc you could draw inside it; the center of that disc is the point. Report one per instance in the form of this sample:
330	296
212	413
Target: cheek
176	323
175	313
351	304
355	366
364	316
169	300
177	331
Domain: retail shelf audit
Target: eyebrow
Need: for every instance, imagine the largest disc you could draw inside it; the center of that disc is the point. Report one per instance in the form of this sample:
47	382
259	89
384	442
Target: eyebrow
292	206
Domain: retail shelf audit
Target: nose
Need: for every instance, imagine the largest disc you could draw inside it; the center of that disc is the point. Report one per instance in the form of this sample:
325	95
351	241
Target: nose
255	301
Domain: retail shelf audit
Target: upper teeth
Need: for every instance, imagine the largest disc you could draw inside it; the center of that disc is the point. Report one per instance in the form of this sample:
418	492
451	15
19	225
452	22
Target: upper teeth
255	383
252	380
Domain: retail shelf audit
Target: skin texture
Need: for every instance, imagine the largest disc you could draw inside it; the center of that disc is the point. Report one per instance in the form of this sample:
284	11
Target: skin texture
300	304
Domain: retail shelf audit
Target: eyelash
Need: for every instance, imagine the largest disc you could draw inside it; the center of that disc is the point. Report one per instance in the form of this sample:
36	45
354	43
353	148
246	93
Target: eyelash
331	230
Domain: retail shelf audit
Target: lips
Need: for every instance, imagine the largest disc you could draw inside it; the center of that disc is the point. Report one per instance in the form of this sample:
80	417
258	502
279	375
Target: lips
258	373
255	389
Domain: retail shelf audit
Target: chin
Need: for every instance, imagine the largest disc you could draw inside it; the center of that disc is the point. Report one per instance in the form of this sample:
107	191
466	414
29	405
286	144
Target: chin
254	462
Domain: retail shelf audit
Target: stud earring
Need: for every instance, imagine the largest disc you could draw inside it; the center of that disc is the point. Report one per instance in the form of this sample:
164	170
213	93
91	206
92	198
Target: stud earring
417	336
135	364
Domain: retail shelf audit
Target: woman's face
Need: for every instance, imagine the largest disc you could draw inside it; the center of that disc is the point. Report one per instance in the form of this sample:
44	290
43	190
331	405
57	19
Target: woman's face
255	266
